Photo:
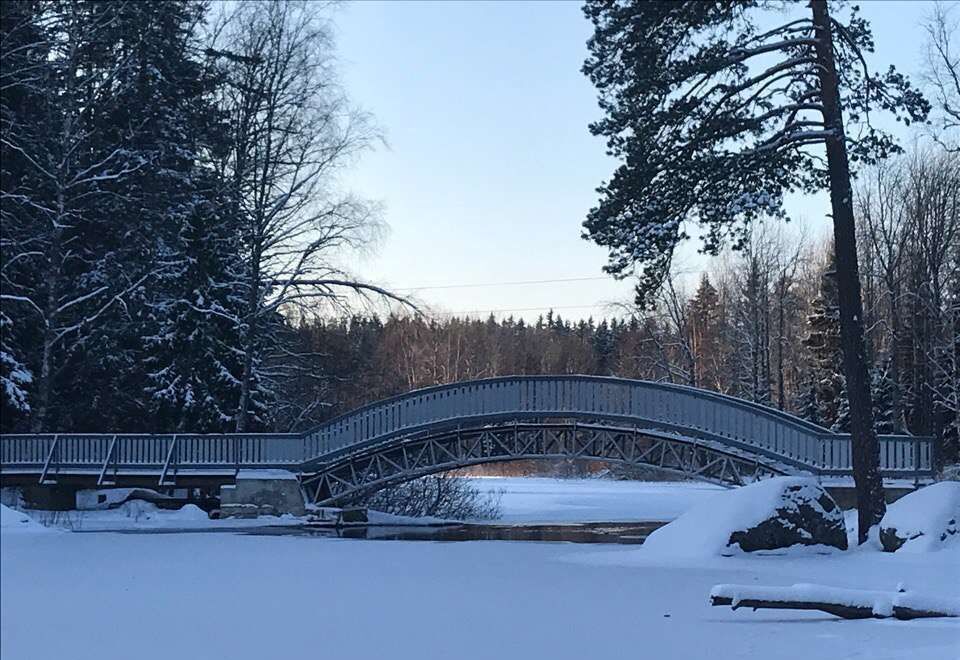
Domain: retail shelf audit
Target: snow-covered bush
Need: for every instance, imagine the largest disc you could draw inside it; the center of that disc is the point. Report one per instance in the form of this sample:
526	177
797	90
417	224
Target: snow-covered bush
767	515
139	510
927	519
951	472
437	496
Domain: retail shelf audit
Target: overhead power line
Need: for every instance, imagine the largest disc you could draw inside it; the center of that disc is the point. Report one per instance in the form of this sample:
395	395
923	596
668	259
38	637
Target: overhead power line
516	283
594	278
542	308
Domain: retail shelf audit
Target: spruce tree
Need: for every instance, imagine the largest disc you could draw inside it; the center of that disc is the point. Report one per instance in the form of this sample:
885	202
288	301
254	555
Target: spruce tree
23	44
604	346
173	338
823	342
191	352
807	406
882	391
841	423
68	172
705	329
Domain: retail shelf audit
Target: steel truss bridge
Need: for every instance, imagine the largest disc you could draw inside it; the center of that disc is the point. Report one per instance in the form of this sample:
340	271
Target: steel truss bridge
681	429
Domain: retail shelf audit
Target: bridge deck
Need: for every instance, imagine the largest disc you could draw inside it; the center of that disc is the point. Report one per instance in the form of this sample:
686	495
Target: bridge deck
651	408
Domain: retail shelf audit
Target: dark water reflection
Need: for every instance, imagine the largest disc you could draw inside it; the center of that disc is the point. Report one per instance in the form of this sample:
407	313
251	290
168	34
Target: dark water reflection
592	532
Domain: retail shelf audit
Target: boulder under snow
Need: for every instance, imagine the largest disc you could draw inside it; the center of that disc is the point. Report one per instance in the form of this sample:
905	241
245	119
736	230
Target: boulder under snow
768	515
112	498
925	520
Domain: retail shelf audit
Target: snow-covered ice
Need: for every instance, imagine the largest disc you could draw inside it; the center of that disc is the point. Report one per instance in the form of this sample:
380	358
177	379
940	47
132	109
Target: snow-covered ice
116	596
543	500
112	596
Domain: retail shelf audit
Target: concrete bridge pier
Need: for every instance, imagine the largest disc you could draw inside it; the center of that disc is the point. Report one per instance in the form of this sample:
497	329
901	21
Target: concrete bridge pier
262	493
49	498
846	496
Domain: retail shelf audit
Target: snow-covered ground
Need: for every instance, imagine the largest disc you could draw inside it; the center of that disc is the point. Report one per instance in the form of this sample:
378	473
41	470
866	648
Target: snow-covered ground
541	500
115	596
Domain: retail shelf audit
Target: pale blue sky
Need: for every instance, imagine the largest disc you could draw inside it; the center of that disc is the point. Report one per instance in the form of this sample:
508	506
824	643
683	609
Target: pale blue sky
490	168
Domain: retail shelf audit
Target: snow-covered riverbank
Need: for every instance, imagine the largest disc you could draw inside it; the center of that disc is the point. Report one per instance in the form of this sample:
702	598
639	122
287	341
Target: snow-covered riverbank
523	500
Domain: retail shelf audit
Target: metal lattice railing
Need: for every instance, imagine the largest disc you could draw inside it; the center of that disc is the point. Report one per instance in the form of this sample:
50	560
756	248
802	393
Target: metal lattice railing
652	407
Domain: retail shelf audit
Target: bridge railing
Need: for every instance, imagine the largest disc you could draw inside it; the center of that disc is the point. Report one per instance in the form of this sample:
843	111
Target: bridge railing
770	432
149	452
664	405
899	454
664	408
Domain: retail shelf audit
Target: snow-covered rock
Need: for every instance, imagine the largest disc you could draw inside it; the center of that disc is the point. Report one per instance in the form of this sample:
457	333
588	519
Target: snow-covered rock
925	520
768	515
12	520
111	498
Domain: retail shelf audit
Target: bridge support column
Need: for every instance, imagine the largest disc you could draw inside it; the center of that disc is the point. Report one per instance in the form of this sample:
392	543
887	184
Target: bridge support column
262	493
54	497
846	496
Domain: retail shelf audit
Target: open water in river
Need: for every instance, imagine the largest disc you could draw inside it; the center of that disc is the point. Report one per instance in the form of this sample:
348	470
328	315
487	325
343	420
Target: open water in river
591	532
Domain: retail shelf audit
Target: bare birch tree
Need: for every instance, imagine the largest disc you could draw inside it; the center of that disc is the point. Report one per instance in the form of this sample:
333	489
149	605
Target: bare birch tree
294	131
933	204
942	72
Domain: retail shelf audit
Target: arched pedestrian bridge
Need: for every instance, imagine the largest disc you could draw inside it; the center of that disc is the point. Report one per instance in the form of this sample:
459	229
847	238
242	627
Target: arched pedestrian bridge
689	431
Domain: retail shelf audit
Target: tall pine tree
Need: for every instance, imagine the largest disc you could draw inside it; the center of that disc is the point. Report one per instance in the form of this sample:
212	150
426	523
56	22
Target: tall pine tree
713	118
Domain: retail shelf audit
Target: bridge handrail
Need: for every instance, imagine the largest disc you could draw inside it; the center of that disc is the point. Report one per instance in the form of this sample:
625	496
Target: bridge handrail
777	416
784	434
153	449
767	431
706	394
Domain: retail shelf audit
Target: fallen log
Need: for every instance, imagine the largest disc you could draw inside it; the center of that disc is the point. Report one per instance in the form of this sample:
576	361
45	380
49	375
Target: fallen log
844	603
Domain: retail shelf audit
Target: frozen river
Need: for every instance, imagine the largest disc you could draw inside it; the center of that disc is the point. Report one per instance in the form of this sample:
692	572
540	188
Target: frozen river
108	596
541	500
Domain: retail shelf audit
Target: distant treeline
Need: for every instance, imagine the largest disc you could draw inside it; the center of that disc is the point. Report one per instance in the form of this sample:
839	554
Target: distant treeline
762	324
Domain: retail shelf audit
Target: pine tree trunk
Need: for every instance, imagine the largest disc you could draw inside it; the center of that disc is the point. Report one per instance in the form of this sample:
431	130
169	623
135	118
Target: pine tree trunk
866	450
